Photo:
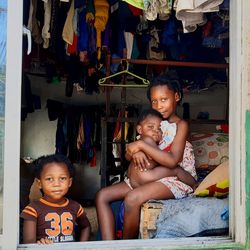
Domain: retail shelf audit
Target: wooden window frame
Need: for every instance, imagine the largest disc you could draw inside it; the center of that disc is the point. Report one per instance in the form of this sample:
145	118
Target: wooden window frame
238	104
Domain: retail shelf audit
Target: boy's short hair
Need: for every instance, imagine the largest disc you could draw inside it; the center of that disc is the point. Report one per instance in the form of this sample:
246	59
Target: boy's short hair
148	112
39	163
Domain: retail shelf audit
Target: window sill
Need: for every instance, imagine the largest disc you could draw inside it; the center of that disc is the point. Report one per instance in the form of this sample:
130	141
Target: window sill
177	243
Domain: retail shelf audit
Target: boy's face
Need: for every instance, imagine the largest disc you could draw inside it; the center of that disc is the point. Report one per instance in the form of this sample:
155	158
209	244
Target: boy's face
55	181
150	127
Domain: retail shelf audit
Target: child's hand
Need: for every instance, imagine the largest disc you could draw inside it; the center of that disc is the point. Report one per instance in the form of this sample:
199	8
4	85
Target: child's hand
141	161
44	241
152	164
132	147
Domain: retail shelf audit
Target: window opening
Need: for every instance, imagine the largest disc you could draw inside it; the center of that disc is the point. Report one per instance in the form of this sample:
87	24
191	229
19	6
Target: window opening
42	69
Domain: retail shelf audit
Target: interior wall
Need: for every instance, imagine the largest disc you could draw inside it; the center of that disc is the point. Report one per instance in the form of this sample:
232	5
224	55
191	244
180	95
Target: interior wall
38	134
213	100
56	91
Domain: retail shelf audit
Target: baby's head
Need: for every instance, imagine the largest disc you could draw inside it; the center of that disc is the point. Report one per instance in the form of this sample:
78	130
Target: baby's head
148	124
54	176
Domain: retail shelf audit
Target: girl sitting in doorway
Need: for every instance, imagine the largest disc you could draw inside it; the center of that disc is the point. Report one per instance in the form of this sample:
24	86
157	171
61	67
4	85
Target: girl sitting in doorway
174	150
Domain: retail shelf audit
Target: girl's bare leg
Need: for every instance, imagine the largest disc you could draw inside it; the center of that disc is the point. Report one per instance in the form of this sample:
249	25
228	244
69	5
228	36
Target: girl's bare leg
133	201
104	211
185	177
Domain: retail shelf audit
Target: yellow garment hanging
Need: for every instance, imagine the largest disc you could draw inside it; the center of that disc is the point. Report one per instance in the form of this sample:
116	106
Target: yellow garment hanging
101	19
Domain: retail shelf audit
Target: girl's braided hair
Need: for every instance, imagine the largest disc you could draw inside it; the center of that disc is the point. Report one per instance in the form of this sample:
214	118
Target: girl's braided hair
164	80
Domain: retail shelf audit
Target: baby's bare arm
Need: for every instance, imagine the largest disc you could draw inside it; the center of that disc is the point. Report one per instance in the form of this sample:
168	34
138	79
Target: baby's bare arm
160	172
138	178
157	173
151	142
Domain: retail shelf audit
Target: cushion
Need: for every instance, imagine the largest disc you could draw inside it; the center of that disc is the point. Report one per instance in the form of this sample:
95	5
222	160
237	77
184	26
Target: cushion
216	183
209	149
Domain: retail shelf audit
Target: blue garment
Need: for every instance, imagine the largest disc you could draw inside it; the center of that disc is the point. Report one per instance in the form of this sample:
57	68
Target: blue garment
225	214
121	215
169	34
79	3
116	208
83	40
112	2
190	216
225	5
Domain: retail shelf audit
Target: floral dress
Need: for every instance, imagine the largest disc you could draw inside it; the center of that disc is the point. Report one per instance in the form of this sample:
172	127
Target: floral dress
178	188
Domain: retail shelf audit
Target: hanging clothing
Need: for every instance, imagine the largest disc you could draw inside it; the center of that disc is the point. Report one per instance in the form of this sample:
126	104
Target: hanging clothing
46	26
157	7
68	30
36	29
101	19
116	148
191	12
80	137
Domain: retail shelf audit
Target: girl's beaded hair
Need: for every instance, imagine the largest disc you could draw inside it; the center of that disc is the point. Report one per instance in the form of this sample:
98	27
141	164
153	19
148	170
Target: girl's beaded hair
164	80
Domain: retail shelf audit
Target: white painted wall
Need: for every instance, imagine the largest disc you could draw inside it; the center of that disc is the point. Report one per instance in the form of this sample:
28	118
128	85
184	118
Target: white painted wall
213	100
38	134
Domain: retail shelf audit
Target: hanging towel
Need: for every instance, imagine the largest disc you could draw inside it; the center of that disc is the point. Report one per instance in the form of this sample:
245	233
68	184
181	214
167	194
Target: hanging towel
191	12
129	40
68	30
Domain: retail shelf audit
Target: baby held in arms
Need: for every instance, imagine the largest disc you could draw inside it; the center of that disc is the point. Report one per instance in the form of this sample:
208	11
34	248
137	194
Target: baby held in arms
148	127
